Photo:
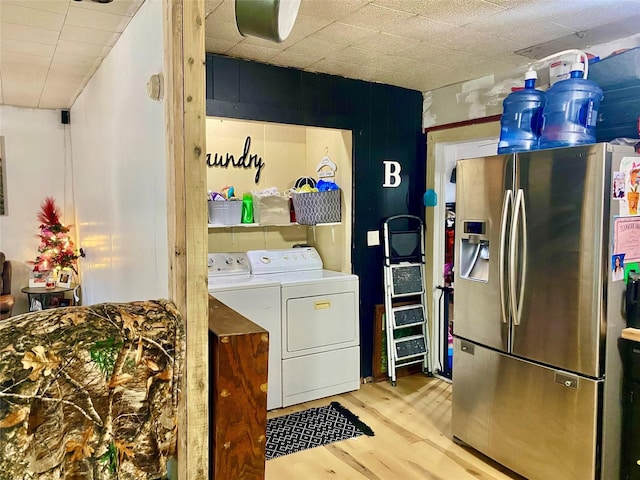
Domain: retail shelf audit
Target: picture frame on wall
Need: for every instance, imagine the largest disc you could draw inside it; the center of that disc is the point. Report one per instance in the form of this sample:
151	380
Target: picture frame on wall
3	179
64	278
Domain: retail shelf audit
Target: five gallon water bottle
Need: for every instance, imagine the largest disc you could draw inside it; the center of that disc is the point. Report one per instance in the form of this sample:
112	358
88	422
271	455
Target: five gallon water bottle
521	120
571	111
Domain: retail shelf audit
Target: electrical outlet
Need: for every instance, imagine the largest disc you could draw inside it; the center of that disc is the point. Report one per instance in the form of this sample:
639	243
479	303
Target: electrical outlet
373	238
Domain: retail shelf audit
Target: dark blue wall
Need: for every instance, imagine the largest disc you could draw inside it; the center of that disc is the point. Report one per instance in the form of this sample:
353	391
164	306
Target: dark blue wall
386	122
619	112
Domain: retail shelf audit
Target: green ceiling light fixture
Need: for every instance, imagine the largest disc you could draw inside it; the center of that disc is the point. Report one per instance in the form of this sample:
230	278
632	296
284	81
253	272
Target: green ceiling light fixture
267	19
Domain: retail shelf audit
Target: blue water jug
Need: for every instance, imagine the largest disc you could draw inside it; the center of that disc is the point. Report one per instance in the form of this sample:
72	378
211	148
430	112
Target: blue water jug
570	114
521	120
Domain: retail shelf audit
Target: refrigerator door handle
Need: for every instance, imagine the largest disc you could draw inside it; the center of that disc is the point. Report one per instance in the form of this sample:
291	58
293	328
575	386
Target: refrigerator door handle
523	268
506	204
513	251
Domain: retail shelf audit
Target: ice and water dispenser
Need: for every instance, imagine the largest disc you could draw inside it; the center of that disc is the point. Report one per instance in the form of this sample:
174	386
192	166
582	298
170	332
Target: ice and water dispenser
474	250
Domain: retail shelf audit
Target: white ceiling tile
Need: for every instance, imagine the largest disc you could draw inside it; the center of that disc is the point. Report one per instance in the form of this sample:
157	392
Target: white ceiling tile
421	28
508	23
9	59
490	46
252	52
225	11
516	3
219	29
88	35
27	48
463	38
386	43
23	15
75	59
26	70
21	96
424	51
80	71
314	46
56	100
261	42
306	25
26	33
381	17
513	59
368	74
391	63
343	33
355	55
216	45
79	48
61	91
330	9
456	12
595	14
421	44
127	8
340	68
293	60
52	6
22	85
98	20
542	50
210	6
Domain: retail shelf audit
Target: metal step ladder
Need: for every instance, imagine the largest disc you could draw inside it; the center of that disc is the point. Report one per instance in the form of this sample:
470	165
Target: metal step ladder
407	325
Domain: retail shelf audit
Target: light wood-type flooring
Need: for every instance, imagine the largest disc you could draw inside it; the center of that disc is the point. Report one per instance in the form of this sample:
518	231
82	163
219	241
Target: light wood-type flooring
412	426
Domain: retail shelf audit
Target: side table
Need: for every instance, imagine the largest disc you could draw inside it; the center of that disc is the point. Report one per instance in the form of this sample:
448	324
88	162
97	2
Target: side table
49	297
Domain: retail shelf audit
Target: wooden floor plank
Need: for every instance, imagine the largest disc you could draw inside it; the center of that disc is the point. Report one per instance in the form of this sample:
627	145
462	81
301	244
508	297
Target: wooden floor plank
412	425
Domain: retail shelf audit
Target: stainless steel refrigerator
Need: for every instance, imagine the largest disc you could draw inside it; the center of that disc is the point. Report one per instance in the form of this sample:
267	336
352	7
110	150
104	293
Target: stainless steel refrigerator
537	318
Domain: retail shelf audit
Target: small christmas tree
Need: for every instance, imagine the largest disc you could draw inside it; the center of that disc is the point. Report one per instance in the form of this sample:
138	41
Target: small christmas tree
56	248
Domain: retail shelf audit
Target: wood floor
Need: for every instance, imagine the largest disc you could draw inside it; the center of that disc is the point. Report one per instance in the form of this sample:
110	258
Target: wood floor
412	425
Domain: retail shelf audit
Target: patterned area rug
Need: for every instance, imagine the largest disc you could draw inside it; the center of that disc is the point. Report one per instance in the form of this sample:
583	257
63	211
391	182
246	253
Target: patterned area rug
312	428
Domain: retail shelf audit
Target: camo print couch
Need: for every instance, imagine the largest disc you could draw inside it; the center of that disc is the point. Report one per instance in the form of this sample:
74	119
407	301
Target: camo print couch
90	392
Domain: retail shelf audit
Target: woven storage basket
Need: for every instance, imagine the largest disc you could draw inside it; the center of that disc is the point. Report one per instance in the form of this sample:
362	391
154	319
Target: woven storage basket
317	207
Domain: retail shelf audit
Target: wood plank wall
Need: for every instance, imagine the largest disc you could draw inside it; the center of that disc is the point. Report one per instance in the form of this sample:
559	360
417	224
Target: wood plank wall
187	220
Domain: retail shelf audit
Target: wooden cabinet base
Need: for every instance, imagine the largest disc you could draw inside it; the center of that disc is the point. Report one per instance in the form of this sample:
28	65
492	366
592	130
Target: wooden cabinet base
238	355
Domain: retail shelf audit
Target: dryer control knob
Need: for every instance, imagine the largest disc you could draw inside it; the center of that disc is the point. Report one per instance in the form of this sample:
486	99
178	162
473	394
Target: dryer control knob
265	259
229	261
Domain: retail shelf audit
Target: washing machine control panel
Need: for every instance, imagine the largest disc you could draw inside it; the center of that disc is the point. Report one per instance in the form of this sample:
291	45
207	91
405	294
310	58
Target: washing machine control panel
228	264
284	260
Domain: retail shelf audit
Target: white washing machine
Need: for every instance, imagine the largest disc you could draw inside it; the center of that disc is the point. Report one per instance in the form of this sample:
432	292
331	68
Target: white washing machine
256	298
320	323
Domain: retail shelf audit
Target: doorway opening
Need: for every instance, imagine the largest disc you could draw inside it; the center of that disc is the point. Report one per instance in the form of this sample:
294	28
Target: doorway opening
446	156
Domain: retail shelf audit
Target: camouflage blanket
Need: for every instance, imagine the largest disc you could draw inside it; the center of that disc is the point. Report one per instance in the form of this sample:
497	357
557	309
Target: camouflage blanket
90	392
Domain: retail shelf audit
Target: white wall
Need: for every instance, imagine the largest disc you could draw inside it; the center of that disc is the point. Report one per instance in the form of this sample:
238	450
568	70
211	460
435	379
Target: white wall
35	168
482	97
120	169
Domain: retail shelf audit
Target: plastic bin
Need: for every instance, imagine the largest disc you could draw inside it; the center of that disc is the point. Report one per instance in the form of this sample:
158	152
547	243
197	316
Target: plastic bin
224	213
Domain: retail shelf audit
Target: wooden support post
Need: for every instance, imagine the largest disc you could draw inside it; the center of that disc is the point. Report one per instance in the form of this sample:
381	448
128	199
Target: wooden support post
184	75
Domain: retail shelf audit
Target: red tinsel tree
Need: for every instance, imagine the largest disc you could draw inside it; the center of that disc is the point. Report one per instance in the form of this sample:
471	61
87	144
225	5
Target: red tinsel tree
56	248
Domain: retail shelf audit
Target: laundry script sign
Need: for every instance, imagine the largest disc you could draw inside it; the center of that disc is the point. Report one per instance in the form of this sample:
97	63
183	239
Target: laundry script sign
245	160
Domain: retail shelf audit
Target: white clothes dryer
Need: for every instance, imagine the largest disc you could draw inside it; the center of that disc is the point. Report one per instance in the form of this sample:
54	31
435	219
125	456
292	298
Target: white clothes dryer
320	346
